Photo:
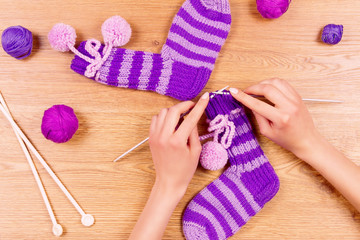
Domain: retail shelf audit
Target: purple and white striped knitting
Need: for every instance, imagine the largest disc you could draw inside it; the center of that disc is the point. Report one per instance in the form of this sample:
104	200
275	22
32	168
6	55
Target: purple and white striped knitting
187	59
226	204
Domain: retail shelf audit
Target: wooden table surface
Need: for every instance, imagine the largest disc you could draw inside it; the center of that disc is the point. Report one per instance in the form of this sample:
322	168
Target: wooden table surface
112	119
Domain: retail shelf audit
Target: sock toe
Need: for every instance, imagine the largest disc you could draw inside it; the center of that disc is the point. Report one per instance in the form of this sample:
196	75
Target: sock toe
193	231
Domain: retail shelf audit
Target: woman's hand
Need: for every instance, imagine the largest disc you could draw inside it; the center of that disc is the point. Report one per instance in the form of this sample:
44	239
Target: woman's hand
175	150
287	123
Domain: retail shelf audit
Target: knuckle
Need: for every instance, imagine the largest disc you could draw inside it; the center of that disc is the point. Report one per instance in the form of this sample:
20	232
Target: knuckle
285	119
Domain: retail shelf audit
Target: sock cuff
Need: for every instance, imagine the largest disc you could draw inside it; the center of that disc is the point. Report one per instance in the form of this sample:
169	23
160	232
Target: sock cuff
221	104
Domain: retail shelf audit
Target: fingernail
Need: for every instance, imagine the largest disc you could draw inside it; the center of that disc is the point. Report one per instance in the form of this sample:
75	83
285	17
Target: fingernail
205	96
234	90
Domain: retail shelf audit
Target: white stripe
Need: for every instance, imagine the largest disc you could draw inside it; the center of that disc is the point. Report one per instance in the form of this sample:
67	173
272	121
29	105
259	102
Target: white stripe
198	33
105	68
232	199
167	51
126	65
245	147
242	129
192	11
248	196
250	166
218	205
164	78
146	71
192	47
193	206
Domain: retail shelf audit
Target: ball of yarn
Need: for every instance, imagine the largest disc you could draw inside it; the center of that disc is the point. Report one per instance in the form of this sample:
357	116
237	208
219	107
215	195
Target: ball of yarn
213	156
59	123
272	8
116	31
332	34
61	37
17	41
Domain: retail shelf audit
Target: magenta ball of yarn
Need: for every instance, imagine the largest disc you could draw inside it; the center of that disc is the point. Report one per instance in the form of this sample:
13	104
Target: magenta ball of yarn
17	41
59	123
272	8
213	156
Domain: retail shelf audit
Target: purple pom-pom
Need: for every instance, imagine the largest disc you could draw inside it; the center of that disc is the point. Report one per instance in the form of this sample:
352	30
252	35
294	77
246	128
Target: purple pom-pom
332	33
17	41
272	8
213	156
59	123
62	37
116	31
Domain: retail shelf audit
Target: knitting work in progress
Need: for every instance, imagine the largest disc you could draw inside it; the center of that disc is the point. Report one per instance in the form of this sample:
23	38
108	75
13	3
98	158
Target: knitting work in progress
185	63
226	204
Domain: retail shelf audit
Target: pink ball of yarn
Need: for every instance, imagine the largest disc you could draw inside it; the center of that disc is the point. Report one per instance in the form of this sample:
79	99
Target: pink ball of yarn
59	123
61	37
116	31
213	156
272	8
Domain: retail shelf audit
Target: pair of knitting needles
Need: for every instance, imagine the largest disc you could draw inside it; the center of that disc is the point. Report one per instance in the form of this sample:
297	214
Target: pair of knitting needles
86	219
221	92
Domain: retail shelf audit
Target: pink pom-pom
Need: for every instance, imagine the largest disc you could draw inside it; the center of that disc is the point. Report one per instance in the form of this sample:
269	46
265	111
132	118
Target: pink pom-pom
116	31
61	37
213	156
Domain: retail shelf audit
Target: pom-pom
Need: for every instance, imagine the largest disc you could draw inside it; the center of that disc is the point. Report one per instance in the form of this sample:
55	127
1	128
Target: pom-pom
17	41
59	123
116	31
62	37
213	156
272	8
332	34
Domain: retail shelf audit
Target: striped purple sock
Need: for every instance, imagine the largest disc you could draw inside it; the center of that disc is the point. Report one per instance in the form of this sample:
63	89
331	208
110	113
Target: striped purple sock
226	204
187	59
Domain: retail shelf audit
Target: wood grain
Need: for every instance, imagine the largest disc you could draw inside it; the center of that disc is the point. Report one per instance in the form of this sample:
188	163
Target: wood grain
112	120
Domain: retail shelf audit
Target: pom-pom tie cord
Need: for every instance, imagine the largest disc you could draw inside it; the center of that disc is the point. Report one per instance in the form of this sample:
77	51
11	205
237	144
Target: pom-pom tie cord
221	124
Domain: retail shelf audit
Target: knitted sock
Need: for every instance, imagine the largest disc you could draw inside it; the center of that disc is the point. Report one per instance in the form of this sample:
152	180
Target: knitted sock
187	59
226	204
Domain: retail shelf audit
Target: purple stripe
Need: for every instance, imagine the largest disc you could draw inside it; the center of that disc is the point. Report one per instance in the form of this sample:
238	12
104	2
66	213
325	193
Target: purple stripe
233	187
189	54
155	72
213	15
135	72
226	203
194	40
199	199
191	216
118	57
244	190
201	26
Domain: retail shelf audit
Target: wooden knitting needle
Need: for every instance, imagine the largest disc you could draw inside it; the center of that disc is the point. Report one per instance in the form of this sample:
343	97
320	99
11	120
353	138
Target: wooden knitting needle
57	228
221	92
86	219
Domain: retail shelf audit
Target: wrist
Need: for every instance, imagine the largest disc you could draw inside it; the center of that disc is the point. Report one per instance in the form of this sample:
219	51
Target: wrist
313	146
169	191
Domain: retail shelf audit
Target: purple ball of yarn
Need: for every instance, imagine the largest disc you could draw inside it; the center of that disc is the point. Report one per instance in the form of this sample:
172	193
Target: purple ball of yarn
17	41
59	123
272	8
332	33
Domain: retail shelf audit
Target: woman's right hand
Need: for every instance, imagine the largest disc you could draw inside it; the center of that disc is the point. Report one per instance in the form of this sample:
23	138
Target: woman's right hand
287	123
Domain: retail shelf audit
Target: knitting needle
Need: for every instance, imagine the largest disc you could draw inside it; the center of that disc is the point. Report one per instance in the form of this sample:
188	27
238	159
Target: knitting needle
86	219
304	99
57	228
146	139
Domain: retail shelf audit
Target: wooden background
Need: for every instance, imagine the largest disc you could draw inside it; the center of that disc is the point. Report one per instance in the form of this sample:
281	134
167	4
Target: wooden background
112	120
